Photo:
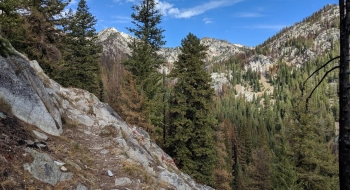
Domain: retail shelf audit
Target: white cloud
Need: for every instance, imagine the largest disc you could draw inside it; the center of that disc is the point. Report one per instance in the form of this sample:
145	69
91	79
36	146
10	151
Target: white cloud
121	19
249	15
164	7
169	9
207	21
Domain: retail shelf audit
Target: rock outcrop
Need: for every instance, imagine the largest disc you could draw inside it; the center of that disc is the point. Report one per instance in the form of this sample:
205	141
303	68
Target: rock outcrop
30	100
44	168
105	152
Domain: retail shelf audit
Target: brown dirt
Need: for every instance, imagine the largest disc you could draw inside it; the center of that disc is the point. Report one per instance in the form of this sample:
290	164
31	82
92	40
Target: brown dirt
87	152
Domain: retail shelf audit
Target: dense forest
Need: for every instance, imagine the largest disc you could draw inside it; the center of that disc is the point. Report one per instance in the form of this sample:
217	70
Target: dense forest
276	140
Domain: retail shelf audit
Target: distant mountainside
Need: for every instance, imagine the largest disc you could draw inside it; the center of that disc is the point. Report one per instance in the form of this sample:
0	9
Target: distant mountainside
297	44
114	41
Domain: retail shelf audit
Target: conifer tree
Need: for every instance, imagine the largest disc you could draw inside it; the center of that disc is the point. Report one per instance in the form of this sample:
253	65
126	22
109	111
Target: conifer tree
9	17
81	67
41	34
315	166
190	140
33	31
144	60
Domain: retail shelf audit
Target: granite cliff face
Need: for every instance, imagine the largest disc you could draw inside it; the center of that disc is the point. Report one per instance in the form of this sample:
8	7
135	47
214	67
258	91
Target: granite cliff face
65	138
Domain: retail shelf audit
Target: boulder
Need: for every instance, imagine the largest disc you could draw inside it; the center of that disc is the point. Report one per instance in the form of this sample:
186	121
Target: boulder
81	187
122	181
44	168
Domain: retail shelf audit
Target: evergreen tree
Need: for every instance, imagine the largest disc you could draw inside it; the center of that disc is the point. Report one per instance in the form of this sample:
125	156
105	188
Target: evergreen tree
144	61
34	30
315	166
41	34
5	47
81	67
9	17
190	140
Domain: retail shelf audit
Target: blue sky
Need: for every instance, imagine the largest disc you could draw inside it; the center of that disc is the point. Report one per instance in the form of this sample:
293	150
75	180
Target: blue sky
247	22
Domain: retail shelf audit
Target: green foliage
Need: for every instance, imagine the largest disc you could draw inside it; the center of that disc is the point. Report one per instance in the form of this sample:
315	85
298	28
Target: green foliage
190	138
9	17
144	60
146	18
266	129
5	47
81	52
316	167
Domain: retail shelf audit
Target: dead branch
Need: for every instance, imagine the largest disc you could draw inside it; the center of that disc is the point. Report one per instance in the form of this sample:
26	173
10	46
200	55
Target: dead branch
313	90
302	90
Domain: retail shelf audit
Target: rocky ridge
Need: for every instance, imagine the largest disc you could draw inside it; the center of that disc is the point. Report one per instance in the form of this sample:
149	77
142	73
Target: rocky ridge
320	33
113	40
92	148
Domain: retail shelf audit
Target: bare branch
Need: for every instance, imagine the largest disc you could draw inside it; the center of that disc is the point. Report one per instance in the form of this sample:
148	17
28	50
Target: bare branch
302	90
324	76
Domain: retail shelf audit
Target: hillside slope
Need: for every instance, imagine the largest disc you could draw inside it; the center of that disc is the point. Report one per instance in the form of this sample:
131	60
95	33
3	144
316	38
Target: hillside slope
64	138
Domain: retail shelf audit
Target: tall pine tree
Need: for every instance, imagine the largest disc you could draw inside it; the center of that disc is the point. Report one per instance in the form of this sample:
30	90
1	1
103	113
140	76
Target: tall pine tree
191	136
81	67
144	60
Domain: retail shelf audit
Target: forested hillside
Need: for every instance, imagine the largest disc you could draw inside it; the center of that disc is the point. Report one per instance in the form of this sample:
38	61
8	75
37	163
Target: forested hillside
266	137
231	116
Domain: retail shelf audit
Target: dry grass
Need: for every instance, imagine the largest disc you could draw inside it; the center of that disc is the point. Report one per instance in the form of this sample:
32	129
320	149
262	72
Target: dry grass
109	131
136	171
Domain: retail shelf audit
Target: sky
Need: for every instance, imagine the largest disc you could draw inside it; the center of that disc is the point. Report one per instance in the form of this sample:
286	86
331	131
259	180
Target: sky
246	22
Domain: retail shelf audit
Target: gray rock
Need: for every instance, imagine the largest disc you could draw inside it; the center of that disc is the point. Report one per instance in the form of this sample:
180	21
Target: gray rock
174	180
40	135
63	169
30	101
122	181
81	187
104	151
2	115
110	174
58	163
29	142
44	169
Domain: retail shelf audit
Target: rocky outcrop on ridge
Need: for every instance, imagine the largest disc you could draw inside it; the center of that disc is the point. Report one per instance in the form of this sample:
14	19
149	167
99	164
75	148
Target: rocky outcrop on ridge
94	148
112	40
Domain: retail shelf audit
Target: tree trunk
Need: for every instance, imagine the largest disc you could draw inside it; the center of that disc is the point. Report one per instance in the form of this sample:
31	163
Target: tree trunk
344	127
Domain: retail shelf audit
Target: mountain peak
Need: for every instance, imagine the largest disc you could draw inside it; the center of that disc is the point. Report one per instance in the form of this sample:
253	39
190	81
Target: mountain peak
106	33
